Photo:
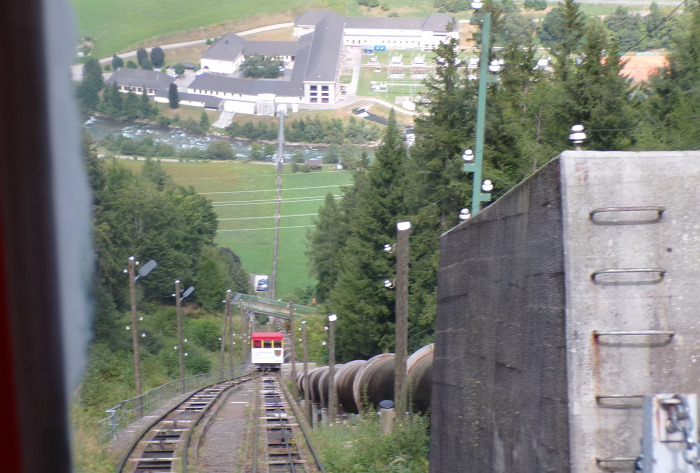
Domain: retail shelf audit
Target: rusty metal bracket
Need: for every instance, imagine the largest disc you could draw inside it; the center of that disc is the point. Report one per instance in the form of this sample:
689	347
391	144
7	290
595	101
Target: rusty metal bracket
656	209
601	272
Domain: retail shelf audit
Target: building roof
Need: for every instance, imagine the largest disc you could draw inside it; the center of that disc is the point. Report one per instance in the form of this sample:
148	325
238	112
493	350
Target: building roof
326	49
226	48
311	17
209	101
640	67
442	22
270	48
156	80
219	83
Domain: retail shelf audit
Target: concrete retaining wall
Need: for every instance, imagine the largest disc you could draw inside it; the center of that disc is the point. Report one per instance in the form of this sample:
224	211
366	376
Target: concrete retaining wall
535	369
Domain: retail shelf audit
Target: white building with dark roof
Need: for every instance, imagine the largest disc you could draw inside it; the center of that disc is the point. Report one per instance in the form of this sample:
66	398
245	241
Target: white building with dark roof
155	83
314	58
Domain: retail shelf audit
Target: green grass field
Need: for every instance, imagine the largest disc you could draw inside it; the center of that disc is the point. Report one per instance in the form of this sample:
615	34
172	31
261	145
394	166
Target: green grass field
243	195
120	25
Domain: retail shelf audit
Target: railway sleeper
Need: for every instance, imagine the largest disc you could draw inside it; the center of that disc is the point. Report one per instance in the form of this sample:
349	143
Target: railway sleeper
156	465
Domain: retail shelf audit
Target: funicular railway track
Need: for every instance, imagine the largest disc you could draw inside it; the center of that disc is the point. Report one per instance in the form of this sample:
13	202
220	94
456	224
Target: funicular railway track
281	443
163	446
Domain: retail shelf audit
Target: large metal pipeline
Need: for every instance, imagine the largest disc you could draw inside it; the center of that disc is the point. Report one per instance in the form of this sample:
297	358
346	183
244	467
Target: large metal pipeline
374	381
317	395
344	380
419	378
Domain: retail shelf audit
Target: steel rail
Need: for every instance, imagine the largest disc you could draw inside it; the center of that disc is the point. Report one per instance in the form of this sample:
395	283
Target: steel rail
131	450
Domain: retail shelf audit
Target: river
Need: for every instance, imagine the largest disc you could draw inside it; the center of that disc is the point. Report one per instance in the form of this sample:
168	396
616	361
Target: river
100	127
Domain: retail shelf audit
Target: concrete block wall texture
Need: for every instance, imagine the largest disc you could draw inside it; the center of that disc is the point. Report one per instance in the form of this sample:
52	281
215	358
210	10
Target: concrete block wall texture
539	365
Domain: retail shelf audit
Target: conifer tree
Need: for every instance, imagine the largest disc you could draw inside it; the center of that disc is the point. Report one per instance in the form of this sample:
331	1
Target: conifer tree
89	89
326	242
673	94
366	326
597	96
173	96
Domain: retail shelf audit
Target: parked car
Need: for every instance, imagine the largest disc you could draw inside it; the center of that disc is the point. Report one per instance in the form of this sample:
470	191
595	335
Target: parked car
262	285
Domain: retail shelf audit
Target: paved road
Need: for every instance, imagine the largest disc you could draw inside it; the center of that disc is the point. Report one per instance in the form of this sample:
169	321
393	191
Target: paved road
77	70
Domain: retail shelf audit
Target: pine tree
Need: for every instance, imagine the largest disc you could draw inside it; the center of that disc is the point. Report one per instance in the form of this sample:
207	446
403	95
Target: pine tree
597	96
204	121
673	94
88	92
562	31
173	96
326	242
366	326
147	109
112	101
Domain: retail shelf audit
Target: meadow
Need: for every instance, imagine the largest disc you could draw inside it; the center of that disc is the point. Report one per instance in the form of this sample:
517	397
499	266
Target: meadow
124	25
244	196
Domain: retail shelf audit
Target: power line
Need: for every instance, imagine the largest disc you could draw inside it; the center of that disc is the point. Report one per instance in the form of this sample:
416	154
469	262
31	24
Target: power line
268	216
269	201
655	27
269	190
266	228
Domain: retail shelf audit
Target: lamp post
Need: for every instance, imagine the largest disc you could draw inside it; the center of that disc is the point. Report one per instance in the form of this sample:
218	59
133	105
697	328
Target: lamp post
181	355
143	271
476	166
331	368
401	350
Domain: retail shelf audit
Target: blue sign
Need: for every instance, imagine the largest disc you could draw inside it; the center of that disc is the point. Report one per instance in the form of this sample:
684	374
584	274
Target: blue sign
380	47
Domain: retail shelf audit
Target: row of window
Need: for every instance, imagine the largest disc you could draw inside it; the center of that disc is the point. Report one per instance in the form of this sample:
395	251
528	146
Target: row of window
126	88
267	343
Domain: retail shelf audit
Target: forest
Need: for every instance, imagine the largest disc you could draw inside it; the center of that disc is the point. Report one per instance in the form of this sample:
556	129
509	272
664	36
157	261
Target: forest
529	114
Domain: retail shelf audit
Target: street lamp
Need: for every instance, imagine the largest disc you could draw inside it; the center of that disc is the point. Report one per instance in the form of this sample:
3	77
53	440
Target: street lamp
178	299
143	271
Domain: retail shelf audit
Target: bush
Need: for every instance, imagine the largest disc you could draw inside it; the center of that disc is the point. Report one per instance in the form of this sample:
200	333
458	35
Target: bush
206	333
220	149
360	446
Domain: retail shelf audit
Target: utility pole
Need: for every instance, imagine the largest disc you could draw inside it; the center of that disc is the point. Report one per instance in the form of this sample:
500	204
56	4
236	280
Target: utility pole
293	373
305	381
134	328
178	300
401	349
180	350
131	270
278	203
224	331
331	368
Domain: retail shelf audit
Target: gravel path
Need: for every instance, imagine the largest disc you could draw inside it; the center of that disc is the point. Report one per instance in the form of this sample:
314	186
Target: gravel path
221	450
